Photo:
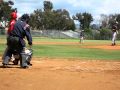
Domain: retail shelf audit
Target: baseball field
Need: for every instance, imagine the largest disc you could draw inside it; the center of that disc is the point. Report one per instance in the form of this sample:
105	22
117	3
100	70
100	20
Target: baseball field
65	64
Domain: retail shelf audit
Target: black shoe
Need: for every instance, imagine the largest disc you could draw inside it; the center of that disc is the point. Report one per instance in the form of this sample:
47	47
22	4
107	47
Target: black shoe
15	62
29	63
5	65
25	67
112	44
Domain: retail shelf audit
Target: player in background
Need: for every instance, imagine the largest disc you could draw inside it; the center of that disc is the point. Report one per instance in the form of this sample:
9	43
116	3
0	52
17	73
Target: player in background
82	36
114	33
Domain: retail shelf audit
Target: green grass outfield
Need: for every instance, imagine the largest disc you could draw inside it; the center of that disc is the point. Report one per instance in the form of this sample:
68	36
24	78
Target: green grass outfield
70	51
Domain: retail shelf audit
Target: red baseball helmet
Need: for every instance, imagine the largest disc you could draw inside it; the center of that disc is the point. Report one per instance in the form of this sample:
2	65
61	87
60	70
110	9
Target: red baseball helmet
13	15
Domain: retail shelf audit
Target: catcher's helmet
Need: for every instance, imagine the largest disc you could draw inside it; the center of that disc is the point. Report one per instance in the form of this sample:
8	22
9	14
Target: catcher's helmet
13	15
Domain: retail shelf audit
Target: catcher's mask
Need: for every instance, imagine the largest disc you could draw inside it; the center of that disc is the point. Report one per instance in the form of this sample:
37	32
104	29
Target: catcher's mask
27	54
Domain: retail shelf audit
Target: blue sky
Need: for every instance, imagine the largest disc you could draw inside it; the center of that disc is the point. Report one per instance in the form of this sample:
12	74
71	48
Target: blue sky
95	7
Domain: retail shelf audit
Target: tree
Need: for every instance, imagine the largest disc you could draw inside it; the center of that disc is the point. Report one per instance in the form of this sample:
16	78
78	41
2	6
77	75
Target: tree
51	19
63	20
104	20
118	20
48	6
85	20
5	10
105	34
112	20
36	20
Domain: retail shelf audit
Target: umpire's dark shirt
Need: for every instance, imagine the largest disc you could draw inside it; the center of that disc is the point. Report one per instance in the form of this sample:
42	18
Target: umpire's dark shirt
22	30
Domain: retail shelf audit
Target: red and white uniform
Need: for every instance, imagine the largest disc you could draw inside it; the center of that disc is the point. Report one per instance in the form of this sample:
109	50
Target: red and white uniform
12	22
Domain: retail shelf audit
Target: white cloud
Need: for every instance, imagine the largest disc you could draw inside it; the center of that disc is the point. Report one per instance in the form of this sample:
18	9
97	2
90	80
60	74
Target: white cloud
95	7
112	6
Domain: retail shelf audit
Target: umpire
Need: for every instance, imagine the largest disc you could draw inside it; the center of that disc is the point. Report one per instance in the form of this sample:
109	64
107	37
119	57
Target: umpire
16	42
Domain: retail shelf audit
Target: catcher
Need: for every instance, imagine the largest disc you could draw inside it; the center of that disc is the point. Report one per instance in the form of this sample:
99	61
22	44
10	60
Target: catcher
27	56
13	19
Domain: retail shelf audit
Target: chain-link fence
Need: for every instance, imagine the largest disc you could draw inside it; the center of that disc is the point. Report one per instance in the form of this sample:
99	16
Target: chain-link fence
94	35
55	33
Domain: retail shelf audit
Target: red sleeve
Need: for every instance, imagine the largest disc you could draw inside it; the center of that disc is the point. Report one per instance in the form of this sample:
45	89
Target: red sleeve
11	26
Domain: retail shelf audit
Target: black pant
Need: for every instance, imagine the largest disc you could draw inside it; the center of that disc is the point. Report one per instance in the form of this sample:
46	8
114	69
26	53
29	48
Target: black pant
14	46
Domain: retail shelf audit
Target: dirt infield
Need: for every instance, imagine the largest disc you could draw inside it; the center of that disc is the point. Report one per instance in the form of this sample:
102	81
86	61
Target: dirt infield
117	47
62	74
104	47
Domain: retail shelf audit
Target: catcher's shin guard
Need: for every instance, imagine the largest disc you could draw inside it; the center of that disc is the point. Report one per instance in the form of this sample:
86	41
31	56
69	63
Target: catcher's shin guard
29	56
26	58
6	60
23	60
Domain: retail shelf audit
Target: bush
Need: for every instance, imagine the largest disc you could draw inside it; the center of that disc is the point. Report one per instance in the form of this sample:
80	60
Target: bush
105	34
2	31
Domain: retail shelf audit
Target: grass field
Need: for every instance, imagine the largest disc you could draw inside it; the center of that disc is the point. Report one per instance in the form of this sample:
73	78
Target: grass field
70	48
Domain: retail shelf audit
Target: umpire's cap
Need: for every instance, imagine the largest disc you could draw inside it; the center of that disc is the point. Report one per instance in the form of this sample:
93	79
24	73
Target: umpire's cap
25	17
